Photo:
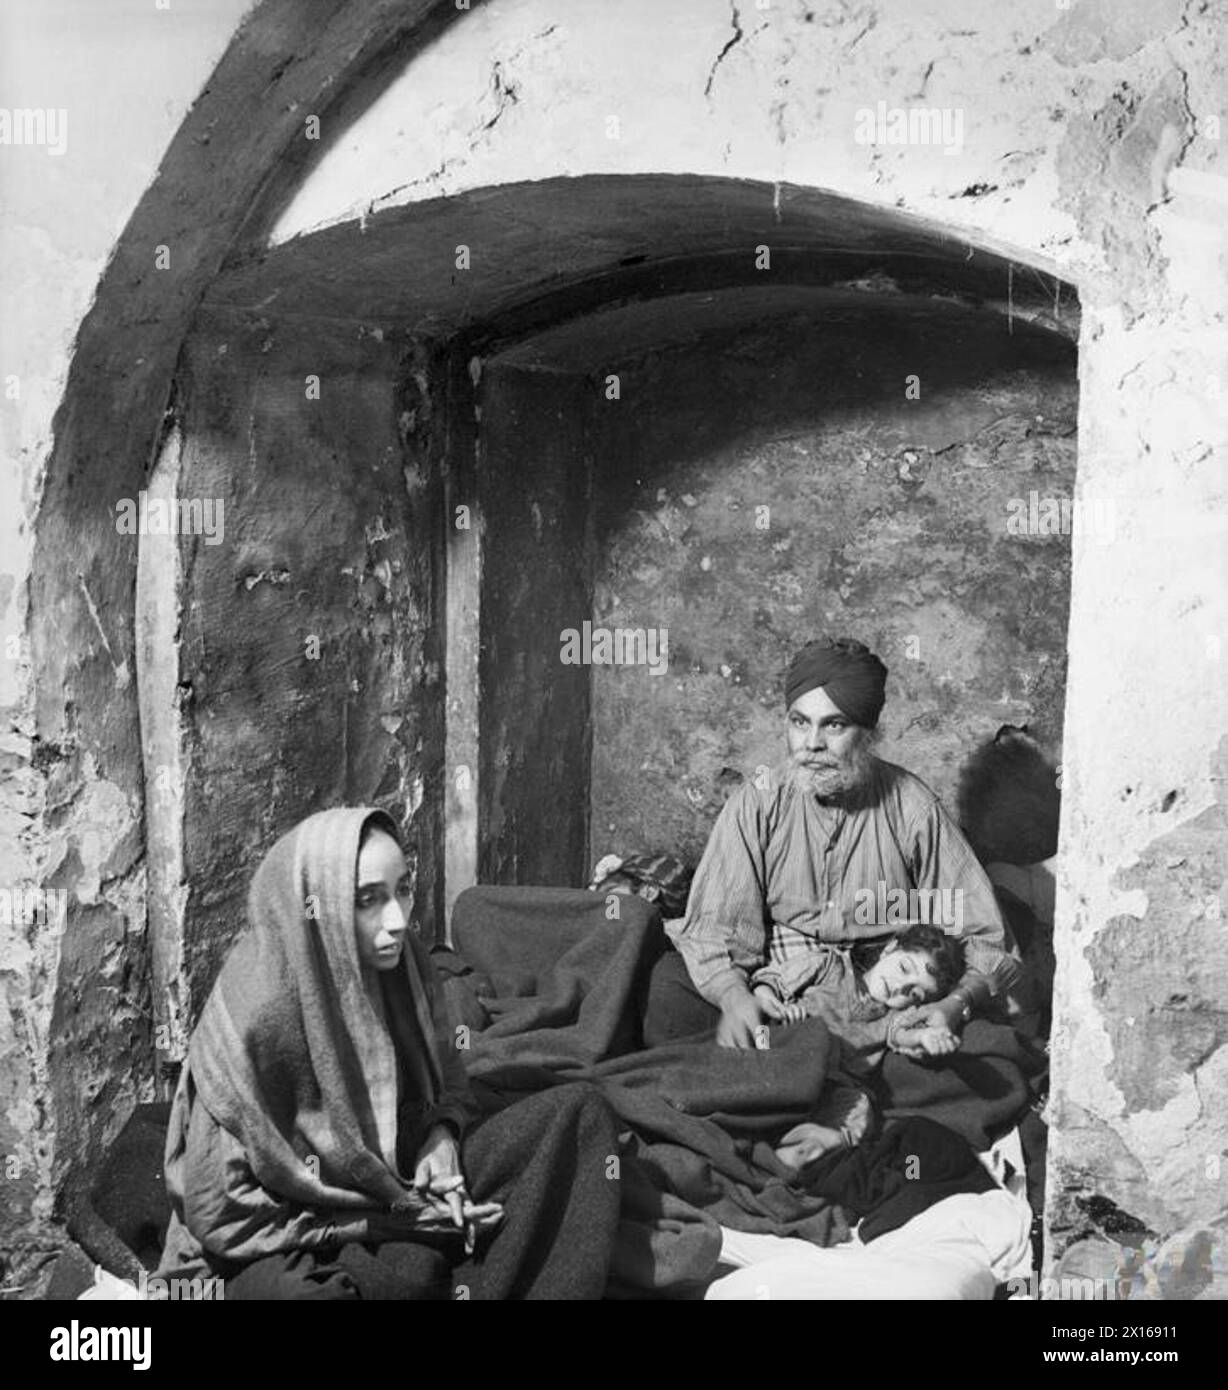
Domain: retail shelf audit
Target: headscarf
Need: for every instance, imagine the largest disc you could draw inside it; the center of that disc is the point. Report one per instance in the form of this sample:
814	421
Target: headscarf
293	1054
853	678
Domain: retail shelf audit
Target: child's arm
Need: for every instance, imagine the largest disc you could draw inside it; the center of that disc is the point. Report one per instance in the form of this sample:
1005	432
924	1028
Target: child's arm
840	1121
768	987
864	1037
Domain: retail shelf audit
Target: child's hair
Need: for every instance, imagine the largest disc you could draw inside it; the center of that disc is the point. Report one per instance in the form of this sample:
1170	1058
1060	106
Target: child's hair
946	953
669	875
617	879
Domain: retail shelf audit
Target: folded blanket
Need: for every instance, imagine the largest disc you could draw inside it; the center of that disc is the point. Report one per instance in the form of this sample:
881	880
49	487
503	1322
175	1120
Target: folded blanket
566	977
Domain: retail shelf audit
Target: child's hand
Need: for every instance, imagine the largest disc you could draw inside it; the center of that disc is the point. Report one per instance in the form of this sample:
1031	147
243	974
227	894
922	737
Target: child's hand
936	1042
806	1142
784	1013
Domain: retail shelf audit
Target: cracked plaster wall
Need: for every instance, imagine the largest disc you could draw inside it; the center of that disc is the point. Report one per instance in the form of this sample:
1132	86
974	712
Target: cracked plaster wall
126	83
309	665
887	520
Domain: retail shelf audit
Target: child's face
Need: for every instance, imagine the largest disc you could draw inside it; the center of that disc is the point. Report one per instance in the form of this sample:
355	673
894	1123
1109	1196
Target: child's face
900	979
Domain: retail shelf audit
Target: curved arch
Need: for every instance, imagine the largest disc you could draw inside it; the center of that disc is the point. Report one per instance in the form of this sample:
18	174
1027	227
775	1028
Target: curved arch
558	248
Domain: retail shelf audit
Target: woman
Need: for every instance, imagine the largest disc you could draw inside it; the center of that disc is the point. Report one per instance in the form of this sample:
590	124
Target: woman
323	1142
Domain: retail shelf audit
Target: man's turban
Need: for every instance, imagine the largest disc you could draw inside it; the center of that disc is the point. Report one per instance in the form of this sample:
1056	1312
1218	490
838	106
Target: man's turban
852	676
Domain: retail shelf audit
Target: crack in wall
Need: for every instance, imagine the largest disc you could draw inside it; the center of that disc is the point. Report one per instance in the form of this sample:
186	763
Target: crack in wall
730	44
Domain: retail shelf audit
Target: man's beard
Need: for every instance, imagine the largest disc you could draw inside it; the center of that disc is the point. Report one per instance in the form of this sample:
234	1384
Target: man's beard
836	779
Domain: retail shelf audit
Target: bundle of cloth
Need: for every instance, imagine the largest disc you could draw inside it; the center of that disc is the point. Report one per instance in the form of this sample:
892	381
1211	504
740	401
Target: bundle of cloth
545	987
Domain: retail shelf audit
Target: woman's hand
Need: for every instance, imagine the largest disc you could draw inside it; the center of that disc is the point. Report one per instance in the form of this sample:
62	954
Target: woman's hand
430	1216
438	1172
439	1180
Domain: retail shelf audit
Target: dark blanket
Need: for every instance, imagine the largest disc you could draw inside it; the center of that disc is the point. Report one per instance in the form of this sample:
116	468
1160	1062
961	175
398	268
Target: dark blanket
910	1166
701	1121
551	991
981	1092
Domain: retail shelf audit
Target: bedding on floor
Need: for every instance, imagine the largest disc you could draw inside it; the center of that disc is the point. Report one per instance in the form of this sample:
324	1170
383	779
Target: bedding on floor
961	1248
544	988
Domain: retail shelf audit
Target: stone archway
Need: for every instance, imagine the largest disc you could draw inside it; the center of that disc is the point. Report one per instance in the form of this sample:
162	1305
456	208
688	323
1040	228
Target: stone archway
562	256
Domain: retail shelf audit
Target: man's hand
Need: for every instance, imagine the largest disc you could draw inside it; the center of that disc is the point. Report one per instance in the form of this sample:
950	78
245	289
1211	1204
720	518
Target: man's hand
925	1031
806	1142
937	1042
903	1033
946	1013
743	1015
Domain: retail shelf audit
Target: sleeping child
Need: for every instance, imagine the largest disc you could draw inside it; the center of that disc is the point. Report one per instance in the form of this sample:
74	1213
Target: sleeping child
863	1005
659	877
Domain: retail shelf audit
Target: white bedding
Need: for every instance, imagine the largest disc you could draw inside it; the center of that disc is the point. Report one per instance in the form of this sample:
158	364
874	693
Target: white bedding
960	1248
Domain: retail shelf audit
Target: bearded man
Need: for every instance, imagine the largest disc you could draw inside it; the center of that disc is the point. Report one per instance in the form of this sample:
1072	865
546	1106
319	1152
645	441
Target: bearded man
808	857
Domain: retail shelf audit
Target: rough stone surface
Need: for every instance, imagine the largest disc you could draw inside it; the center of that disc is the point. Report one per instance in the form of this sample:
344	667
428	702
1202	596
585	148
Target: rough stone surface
305	672
886	518
535	734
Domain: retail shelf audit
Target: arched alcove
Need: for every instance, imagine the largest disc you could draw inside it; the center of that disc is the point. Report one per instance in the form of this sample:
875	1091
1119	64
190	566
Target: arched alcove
419	471
219	355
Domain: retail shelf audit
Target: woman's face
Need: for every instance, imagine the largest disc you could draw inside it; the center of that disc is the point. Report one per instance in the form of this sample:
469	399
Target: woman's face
382	901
